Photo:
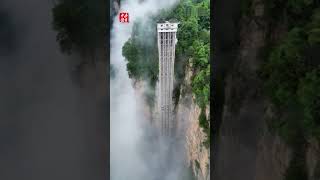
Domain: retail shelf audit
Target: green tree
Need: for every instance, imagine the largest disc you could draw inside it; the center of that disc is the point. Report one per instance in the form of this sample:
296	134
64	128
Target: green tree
285	67
204	15
80	24
309	97
313	28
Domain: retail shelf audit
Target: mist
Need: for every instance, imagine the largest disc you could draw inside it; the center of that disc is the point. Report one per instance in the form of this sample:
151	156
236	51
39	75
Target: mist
136	150
48	125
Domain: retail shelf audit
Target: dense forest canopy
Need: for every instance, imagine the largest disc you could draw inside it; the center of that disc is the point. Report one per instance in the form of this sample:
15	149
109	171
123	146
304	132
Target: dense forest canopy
291	75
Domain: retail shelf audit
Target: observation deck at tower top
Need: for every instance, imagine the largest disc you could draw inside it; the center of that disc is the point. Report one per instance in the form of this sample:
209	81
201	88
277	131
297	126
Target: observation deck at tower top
167	27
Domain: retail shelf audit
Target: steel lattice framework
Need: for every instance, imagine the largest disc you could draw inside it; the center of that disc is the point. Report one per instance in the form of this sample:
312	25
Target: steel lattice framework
166	49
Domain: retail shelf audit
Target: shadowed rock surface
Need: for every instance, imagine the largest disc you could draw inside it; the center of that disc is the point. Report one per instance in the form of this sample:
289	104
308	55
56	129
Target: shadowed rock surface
244	146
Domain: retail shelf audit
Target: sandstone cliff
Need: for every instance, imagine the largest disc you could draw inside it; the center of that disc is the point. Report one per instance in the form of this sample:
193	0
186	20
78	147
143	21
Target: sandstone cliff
188	126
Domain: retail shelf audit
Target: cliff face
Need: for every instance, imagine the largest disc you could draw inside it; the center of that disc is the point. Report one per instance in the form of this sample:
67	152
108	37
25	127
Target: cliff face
313	160
244	147
242	118
197	154
188	126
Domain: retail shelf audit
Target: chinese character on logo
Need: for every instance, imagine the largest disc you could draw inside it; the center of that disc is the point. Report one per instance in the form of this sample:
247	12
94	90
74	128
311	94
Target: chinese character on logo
124	17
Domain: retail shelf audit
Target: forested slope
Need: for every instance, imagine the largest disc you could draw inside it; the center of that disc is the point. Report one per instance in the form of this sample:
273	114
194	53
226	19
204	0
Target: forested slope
266	92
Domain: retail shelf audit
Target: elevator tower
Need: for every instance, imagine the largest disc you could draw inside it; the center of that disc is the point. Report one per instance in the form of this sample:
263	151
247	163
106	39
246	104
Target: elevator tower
166	49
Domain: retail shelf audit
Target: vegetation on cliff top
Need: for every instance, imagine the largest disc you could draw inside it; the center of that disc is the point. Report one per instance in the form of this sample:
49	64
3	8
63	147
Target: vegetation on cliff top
292	75
292	79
